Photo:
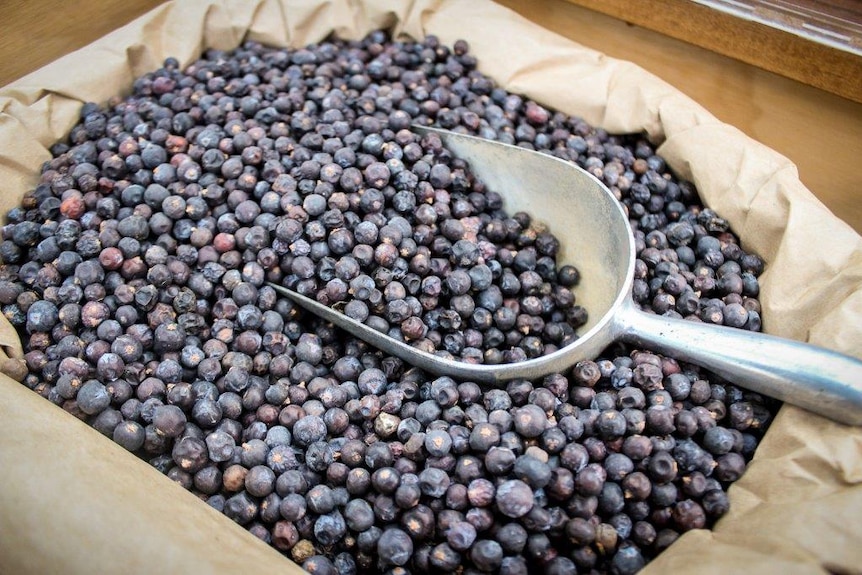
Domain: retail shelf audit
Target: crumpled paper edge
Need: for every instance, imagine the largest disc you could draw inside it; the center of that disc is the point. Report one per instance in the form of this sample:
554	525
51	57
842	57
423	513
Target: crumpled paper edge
794	511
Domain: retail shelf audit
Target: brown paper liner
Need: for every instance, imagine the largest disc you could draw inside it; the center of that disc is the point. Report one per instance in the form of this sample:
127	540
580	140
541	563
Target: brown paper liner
73	502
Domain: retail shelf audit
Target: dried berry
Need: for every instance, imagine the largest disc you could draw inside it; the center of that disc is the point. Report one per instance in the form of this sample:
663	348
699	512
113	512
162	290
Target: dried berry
514	498
394	547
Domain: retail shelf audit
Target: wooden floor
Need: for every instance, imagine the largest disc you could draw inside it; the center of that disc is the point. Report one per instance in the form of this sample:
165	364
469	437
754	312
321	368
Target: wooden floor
820	132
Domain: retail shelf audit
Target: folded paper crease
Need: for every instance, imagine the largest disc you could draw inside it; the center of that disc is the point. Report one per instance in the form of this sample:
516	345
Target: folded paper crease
74	502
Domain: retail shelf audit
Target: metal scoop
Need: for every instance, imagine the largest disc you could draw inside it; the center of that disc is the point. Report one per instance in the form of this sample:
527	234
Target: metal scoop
595	236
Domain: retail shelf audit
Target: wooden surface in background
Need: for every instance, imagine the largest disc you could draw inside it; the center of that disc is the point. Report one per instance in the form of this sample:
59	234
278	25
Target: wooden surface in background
765	46
36	32
820	132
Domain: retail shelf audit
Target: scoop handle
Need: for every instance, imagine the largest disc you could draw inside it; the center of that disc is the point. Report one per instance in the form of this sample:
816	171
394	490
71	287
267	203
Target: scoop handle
814	378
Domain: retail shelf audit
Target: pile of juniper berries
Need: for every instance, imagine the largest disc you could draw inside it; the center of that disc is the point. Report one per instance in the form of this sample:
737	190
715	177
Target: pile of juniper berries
135	273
